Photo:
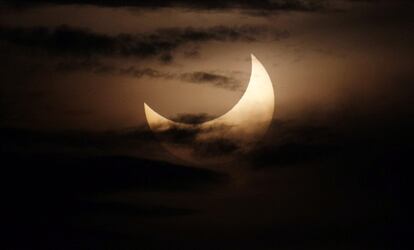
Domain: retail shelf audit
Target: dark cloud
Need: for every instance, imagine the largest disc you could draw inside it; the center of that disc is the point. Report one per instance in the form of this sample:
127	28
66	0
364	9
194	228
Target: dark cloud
366	128
50	193
266	5
70	41
210	149
366	160
63	40
192	118
55	180
148	72
198	77
298	142
139	139
75	175
53	176
349	138
88	65
40	141
210	78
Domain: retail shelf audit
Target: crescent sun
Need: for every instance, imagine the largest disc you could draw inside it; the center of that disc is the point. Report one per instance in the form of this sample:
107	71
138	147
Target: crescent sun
243	125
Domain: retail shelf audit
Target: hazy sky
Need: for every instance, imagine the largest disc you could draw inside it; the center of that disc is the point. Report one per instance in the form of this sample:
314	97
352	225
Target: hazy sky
83	168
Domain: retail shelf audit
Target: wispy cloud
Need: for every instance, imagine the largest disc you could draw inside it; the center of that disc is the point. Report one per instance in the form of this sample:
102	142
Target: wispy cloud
161	43
265	5
221	80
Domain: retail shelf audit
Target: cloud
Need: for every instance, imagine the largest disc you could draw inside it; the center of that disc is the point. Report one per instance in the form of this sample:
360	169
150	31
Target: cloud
75	141
212	79
135	141
211	144
74	174
265	5
77	49
298	142
161	43
49	193
56	186
374	134
198	77
88	65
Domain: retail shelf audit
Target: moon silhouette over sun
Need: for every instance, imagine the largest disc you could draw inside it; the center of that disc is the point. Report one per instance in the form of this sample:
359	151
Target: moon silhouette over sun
235	132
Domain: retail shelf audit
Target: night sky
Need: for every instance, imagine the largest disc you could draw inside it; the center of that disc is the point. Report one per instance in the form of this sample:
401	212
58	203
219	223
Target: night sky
81	169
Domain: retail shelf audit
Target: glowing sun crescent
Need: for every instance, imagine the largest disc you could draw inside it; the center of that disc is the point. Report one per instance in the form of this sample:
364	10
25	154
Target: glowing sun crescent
246	122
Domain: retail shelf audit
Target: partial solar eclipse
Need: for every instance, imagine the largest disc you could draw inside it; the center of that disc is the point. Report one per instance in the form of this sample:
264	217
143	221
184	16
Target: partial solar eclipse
235	132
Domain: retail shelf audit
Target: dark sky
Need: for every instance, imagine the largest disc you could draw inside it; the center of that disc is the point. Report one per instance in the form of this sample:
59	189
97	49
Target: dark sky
83	170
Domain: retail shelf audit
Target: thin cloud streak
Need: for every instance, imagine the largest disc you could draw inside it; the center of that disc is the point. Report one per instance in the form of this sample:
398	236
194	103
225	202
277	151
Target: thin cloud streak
219	80
265	5
162	43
